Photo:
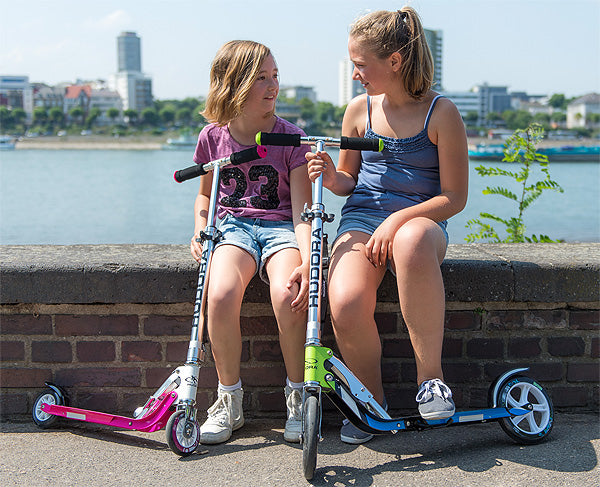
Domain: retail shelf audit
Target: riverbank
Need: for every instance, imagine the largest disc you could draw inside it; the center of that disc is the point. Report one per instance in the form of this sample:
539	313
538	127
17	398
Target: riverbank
91	142
150	142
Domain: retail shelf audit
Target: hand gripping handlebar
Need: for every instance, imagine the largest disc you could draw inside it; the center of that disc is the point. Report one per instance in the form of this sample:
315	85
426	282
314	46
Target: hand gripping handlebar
295	140
240	157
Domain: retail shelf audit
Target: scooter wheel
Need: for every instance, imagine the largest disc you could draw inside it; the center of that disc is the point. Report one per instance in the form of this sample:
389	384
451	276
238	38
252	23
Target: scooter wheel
533	427
40	417
310	435
183	435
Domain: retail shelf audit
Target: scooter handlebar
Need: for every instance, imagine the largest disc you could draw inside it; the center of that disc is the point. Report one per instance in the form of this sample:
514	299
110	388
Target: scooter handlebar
246	155
265	138
295	140
360	143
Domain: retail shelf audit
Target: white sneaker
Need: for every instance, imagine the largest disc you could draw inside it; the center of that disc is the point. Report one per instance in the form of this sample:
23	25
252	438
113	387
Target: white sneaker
293	424
224	417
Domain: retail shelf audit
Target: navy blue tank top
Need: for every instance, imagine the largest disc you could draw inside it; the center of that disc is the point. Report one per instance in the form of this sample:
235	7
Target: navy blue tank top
404	174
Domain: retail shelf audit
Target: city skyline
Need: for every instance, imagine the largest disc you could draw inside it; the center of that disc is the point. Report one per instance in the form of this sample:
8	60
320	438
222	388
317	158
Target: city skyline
540	47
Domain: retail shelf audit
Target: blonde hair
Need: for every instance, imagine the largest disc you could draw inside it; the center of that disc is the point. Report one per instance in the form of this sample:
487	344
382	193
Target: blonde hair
384	33
234	69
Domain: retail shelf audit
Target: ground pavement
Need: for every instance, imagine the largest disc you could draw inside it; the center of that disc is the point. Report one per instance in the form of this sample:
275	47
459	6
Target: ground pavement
79	454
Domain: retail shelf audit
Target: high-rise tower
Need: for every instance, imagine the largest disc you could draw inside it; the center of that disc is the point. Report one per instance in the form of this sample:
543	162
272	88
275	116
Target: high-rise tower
129	52
133	86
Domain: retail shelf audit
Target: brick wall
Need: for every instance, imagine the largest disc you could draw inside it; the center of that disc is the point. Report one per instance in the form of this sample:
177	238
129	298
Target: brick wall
111	355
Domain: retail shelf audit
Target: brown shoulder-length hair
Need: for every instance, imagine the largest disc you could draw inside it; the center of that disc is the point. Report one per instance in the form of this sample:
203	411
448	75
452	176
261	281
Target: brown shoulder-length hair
233	71
384	33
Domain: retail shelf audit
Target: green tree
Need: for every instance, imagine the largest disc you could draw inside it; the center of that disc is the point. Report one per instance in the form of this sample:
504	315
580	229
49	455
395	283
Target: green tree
520	148
92	117
516	119
112	113
150	117
558	101
40	115
471	117
132	116
167	114
183	116
57	117
76	113
7	121
19	116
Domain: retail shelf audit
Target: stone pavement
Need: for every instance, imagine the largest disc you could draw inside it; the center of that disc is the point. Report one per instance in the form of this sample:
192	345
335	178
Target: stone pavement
80	454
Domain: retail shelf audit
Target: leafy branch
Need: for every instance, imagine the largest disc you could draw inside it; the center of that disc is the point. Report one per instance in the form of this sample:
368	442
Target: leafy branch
520	148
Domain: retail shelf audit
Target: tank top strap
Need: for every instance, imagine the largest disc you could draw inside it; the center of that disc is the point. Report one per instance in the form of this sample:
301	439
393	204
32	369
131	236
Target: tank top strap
368	122
434	101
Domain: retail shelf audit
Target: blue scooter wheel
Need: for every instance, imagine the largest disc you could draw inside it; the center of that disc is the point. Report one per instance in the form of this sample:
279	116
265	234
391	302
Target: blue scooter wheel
523	392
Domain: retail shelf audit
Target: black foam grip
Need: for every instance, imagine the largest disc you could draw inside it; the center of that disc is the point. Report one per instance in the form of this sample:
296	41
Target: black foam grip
360	143
245	155
279	139
189	173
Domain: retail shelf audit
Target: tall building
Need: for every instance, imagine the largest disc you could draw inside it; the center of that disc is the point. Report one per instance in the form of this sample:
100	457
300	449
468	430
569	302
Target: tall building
434	40
129	52
133	86
347	87
16	92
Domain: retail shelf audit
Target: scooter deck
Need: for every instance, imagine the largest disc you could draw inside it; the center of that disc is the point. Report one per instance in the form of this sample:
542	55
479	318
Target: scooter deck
154	421
370	423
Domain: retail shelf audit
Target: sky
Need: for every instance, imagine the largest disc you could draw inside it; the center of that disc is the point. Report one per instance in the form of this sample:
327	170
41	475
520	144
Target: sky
537	46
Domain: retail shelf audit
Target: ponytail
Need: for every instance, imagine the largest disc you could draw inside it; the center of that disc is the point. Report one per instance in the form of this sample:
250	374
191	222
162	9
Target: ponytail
401	31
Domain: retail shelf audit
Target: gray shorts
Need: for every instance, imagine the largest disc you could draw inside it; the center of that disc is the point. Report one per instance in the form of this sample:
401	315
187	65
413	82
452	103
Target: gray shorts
260	238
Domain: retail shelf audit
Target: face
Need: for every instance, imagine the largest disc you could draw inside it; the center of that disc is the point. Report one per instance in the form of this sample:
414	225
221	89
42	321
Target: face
373	73
264	91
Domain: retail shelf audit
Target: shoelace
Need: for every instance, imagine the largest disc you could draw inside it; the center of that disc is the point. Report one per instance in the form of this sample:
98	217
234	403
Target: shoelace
294	405
221	410
433	387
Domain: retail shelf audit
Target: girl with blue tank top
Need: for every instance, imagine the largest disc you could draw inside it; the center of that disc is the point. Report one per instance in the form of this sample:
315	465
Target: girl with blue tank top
398	203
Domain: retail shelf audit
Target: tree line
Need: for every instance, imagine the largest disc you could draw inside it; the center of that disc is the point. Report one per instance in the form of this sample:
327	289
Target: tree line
170	115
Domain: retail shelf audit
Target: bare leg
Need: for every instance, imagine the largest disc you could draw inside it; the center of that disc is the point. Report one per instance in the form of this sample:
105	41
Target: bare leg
292	325
353	283
418	251
231	270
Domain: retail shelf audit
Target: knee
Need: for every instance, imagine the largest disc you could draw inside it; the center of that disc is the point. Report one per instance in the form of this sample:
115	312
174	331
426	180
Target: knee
348	306
224	297
282	296
414	243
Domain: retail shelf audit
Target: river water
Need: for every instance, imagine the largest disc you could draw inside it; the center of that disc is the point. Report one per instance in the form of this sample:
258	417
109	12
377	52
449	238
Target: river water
129	196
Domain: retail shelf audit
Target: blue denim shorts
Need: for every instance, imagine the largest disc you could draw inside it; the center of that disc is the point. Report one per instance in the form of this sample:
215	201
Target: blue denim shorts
361	222
260	238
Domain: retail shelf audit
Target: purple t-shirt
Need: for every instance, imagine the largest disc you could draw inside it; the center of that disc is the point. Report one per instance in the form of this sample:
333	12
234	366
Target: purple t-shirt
255	189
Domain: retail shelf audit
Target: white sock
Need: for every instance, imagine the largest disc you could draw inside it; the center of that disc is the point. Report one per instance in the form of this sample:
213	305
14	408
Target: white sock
294	385
237	385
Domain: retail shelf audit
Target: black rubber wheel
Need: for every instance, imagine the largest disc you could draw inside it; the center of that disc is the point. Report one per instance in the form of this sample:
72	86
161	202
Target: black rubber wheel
40	417
183	436
533	427
310	435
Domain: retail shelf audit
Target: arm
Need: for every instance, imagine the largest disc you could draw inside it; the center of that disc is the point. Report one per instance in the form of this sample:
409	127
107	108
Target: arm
300	194
200	213
447	131
341	181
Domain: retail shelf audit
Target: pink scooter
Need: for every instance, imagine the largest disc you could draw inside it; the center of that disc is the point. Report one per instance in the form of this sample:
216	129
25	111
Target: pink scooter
173	405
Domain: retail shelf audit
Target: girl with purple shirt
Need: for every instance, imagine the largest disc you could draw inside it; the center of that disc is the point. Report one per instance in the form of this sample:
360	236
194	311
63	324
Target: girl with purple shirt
260	203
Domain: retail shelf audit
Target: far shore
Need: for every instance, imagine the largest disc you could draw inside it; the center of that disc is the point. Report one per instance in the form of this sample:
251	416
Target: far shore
97	142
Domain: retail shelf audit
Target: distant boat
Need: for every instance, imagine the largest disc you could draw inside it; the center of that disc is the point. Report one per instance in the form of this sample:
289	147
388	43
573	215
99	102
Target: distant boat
7	142
183	142
567	153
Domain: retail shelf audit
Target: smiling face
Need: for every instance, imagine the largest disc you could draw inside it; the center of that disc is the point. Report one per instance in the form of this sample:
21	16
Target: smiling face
264	90
374	73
